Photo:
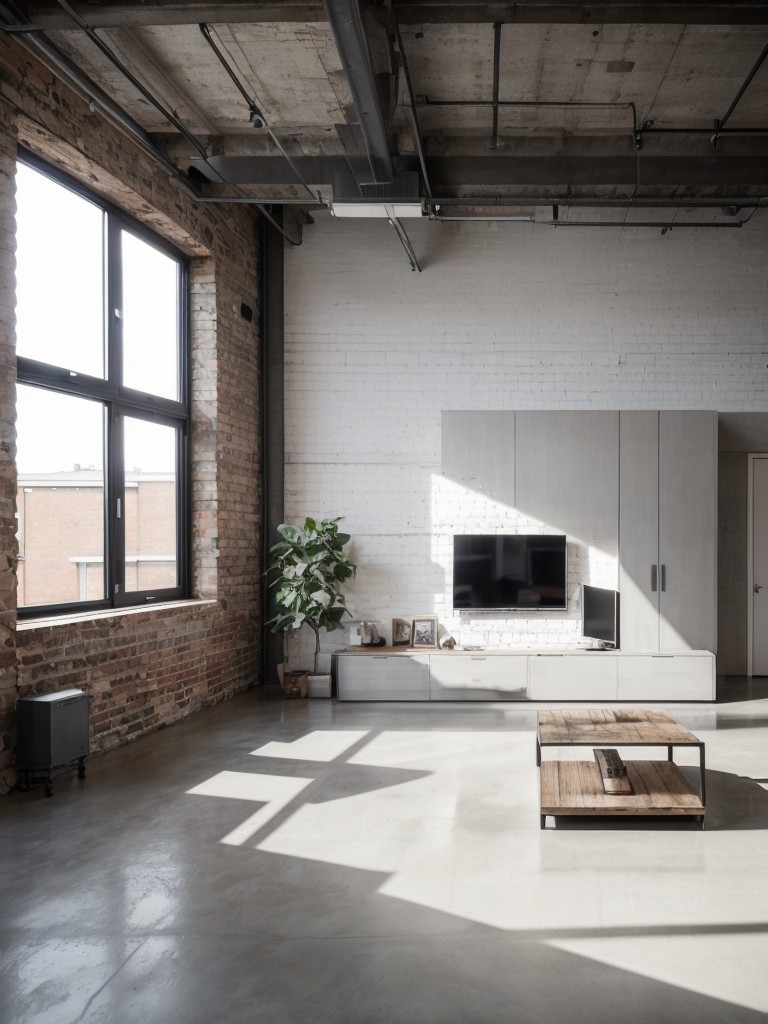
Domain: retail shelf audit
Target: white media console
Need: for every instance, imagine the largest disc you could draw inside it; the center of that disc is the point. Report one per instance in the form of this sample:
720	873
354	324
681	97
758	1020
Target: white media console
397	674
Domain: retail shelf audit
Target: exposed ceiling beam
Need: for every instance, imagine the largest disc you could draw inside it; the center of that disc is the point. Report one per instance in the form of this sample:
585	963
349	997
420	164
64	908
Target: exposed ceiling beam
704	171
412	12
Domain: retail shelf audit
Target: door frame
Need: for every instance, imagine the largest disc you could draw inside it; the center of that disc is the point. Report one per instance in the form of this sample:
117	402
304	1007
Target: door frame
751	457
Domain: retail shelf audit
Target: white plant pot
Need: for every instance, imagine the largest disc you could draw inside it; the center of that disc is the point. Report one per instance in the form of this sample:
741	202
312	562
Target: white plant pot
319	686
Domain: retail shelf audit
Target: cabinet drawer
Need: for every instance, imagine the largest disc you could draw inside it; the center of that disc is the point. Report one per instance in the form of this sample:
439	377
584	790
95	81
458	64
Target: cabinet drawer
478	677
574	677
666	677
383	677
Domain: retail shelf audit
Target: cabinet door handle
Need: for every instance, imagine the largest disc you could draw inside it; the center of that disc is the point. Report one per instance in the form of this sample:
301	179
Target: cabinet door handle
653	578
478	659
663	577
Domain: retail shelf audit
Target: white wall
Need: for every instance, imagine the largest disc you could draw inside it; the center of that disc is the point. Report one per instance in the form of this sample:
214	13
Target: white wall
504	316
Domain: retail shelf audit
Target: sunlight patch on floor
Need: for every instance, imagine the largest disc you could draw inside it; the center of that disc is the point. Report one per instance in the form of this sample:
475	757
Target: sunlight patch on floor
691	961
274	791
322	745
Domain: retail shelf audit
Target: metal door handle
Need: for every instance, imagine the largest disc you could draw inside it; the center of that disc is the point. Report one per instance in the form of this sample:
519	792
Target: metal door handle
653	578
663	577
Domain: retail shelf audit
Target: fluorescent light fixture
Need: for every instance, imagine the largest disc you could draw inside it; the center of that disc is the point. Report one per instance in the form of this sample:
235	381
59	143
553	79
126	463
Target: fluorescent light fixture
382	210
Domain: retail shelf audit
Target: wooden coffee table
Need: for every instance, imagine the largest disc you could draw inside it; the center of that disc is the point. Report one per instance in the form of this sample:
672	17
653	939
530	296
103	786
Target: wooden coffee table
576	787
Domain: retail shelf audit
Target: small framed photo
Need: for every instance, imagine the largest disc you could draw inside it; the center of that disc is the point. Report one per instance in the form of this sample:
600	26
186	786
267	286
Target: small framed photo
401	632
424	631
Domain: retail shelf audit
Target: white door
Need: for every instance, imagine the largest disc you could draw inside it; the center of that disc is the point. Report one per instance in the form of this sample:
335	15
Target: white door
759	573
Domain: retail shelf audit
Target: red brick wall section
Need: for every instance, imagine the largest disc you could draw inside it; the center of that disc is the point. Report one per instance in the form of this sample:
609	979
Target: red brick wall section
142	669
151	667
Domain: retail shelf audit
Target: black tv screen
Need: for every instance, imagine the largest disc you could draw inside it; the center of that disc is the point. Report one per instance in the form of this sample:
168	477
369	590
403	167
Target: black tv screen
600	614
509	572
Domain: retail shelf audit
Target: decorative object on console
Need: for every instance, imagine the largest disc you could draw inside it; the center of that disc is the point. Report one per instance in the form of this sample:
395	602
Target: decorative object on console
309	568
371	635
448	644
424	631
401	632
355	634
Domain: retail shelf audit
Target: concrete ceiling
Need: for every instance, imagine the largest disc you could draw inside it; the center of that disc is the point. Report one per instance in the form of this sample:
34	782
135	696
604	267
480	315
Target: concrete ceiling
597	102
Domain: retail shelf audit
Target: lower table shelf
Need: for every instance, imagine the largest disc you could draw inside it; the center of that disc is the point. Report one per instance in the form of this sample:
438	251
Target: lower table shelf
576	788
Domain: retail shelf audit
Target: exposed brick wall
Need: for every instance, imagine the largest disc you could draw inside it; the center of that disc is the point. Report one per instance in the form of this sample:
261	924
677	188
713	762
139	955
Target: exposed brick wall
504	316
7	453
149	667
142	668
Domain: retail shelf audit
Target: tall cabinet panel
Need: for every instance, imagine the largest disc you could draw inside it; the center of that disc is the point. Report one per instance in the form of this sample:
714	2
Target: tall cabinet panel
639	530
687	530
668	493
567	467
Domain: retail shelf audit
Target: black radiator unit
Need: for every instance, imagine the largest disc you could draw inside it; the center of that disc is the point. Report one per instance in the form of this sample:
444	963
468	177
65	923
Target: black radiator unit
52	736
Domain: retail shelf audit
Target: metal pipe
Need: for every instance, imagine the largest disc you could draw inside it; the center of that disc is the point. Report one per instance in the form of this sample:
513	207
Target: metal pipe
252	104
528	200
557	223
496	61
127	73
256	200
346	23
745	84
703	131
412	102
425	101
39	44
406	243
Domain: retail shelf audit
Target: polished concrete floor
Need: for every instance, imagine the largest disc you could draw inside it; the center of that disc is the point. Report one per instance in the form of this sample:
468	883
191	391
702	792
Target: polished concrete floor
308	861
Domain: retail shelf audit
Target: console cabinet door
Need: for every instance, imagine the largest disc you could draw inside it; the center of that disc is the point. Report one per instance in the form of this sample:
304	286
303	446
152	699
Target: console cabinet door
383	677
478	677
666	677
574	677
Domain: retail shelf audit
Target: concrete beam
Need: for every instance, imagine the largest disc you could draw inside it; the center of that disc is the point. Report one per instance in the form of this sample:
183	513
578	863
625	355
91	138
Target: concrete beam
701	171
410	12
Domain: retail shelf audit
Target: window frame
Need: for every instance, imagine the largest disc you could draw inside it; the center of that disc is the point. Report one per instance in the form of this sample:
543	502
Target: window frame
119	401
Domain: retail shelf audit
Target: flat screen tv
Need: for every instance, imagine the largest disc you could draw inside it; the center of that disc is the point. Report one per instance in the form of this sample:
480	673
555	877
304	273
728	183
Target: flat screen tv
600	615
509	572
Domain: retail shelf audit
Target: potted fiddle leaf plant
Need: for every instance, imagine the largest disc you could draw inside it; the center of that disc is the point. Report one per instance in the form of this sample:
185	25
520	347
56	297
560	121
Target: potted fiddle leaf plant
309	568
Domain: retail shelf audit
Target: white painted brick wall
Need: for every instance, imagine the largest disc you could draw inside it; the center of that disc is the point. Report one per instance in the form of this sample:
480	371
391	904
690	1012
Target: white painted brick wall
504	316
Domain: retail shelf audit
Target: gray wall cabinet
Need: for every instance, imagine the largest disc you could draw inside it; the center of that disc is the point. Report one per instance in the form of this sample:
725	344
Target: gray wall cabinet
668	531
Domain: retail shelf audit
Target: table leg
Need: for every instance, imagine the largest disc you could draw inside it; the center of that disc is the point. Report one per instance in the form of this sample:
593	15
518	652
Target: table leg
538	753
702	774
670	752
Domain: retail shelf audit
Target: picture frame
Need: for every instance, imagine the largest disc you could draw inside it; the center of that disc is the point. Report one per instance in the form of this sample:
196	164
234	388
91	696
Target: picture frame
401	632
424	631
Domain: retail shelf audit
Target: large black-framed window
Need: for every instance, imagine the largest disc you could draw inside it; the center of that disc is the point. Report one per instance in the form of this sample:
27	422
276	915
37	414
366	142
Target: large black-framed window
102	402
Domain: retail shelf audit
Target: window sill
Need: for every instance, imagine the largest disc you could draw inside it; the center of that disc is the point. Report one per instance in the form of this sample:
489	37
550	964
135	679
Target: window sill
45	622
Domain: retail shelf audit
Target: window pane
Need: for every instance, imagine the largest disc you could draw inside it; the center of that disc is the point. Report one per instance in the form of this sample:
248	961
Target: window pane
150	506
60	498
150	319
59	275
